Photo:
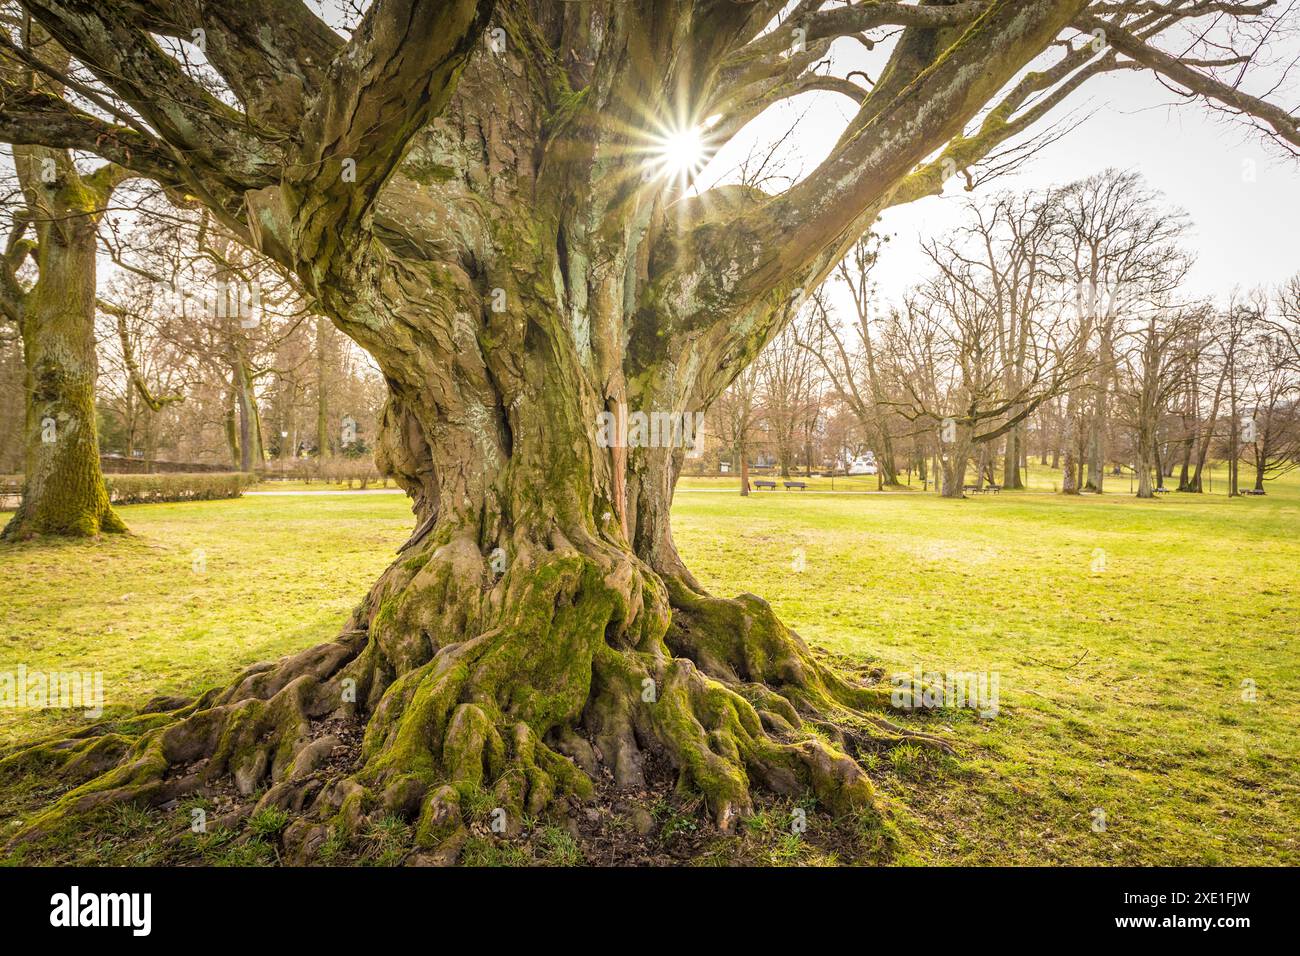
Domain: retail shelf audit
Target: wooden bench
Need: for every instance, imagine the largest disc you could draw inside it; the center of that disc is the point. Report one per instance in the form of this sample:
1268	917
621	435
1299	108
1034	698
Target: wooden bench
1254	491
982	489
801	485
762	483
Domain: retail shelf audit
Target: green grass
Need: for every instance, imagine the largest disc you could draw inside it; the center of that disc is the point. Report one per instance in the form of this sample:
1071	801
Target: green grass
278	574
1120	690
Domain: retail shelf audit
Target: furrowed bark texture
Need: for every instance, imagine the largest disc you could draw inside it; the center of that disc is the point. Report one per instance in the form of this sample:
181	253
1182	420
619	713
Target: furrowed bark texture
63	489
539	635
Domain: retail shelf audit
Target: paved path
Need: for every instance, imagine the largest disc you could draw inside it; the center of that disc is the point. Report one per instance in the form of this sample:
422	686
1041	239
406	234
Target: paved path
341	491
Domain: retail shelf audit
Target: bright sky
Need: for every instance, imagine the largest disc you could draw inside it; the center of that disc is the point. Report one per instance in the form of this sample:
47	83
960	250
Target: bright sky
1242	195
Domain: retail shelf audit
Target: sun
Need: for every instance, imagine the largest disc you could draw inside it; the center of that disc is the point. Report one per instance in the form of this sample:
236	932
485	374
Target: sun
680	151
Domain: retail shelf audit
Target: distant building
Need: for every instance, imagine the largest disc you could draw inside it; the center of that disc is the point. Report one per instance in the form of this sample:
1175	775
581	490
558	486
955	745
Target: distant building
861	464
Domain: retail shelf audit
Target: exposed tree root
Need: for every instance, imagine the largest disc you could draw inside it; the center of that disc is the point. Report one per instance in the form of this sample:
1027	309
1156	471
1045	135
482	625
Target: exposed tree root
582	663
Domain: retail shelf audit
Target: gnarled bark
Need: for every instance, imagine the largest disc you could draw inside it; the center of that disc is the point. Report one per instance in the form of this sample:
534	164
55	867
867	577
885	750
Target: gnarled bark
481	220
63	488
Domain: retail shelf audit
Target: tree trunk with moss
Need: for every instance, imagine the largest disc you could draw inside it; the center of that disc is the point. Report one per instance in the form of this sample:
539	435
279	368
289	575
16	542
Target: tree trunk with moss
1012	461
230	426
63	488
492	223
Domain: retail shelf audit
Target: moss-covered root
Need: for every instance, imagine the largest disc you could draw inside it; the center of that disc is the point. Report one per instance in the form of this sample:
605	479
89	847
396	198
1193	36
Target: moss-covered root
471	722
577	672
508	725
726	742
257	731
741	641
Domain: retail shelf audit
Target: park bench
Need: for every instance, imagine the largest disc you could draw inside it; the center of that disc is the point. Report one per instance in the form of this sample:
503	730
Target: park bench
761	483
1253	491
1162	491
801	485
10	488
982	489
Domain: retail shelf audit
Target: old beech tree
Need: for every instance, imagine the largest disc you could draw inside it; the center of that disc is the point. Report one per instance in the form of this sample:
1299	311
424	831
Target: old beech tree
63	489
462	188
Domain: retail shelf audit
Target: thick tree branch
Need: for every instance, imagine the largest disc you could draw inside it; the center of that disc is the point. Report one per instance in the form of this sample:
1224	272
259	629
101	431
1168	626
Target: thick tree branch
395	74
32	118
1285	125
204	133
273	53
926	115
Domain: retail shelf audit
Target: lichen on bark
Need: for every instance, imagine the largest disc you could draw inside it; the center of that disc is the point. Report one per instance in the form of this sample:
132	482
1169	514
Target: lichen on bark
63	487
517	268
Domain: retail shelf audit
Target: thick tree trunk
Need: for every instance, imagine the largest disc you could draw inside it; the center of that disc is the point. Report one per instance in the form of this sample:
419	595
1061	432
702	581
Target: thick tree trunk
887	466
1184	479
1093	463
1069	446
251	456
322	396
63	488
1011	472
1099	425
531	639
1146	459
955	457
981	466
230	426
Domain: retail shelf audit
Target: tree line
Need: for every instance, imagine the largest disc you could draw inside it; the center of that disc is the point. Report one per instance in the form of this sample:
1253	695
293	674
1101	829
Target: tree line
205	352
1055	325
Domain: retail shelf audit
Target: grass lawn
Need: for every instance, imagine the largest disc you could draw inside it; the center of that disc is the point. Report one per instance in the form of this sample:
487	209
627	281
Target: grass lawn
1120	690
197	591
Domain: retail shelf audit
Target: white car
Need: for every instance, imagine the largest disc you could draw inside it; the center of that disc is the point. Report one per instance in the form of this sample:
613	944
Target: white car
861	465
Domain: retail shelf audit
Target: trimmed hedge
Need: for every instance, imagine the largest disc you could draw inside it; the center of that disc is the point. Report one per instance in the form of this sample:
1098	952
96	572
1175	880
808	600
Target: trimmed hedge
142	489
139	489
339	471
